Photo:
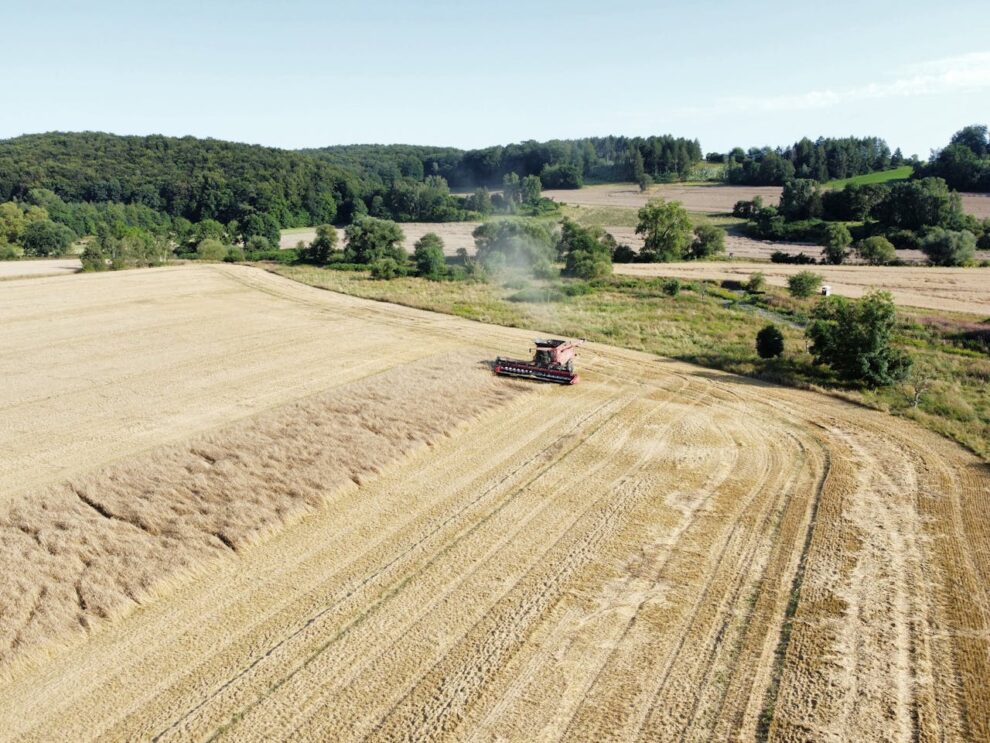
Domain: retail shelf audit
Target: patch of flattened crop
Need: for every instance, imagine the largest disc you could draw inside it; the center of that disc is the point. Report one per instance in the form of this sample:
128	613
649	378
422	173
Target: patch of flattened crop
90	549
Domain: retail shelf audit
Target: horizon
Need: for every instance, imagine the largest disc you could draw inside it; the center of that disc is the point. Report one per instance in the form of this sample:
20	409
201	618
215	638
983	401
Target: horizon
467	76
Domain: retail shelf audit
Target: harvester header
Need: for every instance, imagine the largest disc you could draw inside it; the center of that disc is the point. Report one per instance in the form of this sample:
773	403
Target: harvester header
553	361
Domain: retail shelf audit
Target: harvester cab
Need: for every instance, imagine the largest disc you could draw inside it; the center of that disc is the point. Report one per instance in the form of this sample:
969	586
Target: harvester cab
553	361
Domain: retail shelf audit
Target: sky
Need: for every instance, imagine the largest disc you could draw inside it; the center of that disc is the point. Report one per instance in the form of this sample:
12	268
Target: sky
301	73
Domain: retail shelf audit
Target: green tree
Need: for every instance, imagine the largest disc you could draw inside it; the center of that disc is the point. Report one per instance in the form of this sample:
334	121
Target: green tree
44	237
666	231
770	342
258	244
531	189
480	201
876	250
855	339
801	198
428	256
586	252
322	246
511	190
804	283
12	222
522	244
947	247
835	243
370	239
211	250
709	241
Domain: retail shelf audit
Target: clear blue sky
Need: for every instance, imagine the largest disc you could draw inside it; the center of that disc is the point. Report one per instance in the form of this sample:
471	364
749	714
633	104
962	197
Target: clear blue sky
303	73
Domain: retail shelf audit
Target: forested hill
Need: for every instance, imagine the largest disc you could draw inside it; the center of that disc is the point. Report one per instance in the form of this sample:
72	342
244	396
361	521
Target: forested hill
188	177
559	163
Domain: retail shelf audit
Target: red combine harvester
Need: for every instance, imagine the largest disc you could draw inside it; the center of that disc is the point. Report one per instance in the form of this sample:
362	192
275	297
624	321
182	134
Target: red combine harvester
553	361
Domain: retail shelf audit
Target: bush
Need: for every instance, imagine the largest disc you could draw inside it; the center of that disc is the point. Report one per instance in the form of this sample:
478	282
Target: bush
876	250
321	249
211	250
804	284
45	238
429	258
10	252
93	258
235	254
949	248
709	241
779	256
623	254
757	283
671	287
854	338
258	243
835	242
370	240
538	294
770	342
387	269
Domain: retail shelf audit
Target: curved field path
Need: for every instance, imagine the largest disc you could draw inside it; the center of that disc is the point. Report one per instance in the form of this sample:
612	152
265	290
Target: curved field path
659	553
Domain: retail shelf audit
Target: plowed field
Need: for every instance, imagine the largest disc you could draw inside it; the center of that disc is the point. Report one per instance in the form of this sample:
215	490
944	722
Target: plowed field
372	538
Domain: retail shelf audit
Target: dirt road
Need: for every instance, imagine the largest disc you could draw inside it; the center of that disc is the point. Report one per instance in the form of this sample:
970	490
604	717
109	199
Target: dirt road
952	289
661	552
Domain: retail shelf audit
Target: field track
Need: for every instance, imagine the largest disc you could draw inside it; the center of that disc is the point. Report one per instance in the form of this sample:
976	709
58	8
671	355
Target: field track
660	553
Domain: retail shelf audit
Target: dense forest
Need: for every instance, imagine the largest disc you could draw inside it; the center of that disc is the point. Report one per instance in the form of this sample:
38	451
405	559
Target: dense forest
559	163
965	163
823	160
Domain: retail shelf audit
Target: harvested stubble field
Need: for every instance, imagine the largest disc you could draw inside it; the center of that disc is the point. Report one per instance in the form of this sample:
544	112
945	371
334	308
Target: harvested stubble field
946	289
708	198
455	235
661	552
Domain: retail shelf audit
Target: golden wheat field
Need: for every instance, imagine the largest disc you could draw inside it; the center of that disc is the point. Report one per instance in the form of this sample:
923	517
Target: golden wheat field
239	508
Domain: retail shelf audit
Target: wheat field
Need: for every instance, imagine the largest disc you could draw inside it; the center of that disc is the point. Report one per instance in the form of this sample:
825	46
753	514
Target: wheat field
384	542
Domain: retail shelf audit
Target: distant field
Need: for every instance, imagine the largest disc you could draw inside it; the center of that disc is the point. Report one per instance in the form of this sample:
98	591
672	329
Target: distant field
883	176
947	289
702	197
454	235
45	267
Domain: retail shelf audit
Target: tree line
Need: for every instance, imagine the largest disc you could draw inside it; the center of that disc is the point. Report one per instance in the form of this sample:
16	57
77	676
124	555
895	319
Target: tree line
824	159
964	164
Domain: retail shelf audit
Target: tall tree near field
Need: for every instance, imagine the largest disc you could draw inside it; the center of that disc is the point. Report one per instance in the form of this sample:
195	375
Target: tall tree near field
370	239
429	258
666	230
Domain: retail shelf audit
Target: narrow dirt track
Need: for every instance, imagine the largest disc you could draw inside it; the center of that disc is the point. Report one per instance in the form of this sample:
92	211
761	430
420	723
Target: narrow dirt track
660	553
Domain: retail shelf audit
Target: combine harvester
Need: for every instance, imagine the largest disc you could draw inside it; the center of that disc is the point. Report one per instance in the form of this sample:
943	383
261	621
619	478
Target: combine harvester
553	361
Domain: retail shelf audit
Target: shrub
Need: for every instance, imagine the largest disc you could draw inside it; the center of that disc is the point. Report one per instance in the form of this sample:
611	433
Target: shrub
429	258
770	342
319	251
387	269
235	254
258	243
538	294
835	242
779	256
623	254
804	284
949	248
757	283
854	338
876	250
709	241
10	252
671	287
211	250
93	258
44	238
370	239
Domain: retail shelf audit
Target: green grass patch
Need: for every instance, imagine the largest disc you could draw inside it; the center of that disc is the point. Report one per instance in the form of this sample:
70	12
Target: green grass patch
881	176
